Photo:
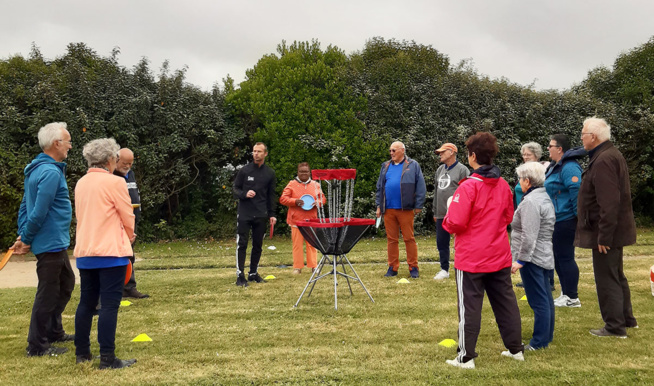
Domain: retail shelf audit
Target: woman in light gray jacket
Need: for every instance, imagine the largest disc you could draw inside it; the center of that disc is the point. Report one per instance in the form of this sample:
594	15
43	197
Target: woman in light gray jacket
531	247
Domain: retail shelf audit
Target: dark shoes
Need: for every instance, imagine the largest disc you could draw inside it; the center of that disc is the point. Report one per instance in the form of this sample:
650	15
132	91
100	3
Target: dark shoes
52	352
134	293
83	358
111	362
413	271
255	277
603	332
64	338
390	272
520	284
241	281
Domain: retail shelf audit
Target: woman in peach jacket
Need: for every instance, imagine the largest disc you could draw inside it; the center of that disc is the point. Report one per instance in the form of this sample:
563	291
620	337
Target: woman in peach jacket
301	185
105	232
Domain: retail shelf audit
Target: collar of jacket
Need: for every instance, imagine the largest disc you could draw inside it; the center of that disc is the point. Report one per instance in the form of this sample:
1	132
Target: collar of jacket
303	183
599	149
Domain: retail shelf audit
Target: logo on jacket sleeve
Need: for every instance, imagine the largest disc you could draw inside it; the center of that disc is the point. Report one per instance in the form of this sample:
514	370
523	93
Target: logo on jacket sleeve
456	198
575	179
250	178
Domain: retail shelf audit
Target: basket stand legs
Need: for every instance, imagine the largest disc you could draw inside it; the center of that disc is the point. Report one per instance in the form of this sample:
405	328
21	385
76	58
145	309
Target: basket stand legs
334	261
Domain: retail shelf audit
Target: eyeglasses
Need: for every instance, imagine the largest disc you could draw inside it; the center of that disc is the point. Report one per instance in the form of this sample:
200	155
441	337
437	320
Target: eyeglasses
582	134
551	146
68	142
394	150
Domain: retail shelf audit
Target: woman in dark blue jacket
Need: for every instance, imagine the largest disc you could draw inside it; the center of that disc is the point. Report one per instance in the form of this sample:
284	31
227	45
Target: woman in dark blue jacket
562	181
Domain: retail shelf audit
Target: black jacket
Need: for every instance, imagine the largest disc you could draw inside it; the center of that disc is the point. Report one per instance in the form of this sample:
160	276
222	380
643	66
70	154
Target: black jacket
133	191
262	181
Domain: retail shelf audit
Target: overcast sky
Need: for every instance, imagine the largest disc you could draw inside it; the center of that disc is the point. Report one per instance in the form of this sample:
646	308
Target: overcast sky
553	43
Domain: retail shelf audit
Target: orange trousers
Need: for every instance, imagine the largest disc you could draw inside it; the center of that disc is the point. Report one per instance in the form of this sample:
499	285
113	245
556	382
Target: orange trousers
298	255
394	221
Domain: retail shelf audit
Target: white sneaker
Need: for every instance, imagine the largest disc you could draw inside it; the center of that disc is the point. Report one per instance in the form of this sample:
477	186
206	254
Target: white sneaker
519	356
561	300
442	275
455	362
571	303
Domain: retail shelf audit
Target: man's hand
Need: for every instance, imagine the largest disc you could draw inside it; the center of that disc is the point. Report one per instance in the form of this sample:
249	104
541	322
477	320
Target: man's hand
435	219
604	249
273	221
19	247
250	194
378	212
416	211
515	267
132	239
299	202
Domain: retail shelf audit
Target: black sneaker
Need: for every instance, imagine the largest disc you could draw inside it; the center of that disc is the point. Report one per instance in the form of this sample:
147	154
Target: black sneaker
64	338
52	352
413	271
520	284
111	362
83	358
390	272
255	277
241	281
134	293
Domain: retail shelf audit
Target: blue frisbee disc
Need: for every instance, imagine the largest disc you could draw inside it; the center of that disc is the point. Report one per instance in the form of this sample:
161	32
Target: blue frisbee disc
308	201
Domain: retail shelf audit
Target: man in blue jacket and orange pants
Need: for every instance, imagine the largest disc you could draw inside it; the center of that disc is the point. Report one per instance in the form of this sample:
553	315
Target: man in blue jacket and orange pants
400	196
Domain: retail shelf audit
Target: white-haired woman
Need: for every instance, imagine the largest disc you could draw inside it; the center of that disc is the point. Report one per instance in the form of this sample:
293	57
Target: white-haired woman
105	231
531	247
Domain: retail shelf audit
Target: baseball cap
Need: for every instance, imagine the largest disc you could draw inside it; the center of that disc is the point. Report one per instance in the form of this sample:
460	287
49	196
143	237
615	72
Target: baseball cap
446	146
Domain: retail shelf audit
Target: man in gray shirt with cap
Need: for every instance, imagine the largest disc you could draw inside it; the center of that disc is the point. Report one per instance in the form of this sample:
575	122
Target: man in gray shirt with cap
447	180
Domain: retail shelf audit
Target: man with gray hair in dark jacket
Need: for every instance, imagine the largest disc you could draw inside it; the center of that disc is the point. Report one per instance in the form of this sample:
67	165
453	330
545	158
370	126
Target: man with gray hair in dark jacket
606	224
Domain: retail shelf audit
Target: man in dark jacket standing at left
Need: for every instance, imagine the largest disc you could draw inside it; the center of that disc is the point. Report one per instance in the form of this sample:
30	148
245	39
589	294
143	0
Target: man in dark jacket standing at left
44	227
254	187
606	224
124	170
400	196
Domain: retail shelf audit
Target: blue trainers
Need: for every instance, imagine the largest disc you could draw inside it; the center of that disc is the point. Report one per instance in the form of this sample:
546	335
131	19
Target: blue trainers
390	272
414	272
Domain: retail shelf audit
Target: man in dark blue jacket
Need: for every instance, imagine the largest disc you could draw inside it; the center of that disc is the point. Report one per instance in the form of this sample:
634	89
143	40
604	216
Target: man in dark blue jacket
254	187
124	169
400	196
44	227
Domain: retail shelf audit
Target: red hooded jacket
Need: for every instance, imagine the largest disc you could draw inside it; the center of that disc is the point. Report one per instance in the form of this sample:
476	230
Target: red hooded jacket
481	210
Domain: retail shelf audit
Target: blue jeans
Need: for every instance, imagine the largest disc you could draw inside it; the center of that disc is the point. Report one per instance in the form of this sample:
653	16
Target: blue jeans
443	245
539	296
107	284
564	256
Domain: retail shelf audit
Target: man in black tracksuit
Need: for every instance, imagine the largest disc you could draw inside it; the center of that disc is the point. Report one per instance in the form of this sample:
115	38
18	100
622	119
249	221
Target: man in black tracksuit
124	169
254	187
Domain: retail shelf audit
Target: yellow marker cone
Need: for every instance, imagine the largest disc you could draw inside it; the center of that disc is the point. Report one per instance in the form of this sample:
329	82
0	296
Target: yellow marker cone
142	338
524	297
403	281
449	343
270	277
125	303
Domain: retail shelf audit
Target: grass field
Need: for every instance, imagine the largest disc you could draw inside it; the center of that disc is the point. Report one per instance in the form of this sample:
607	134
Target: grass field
205	330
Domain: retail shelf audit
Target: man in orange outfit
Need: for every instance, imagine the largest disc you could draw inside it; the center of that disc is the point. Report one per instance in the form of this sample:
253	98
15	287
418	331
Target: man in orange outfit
291	197
400	196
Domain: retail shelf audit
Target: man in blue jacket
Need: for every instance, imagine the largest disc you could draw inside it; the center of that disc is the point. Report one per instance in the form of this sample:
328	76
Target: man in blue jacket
400	196
43	226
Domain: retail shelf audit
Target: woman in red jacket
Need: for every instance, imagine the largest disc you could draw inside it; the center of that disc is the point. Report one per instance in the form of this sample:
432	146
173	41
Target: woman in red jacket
297	211
481	210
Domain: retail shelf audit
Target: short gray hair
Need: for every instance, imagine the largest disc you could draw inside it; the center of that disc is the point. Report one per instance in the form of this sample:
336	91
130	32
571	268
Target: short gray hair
50	133
533	147
534	171
599	127
99	151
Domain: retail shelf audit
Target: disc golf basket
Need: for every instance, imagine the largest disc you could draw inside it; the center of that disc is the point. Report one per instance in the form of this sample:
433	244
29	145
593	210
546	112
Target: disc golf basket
334	232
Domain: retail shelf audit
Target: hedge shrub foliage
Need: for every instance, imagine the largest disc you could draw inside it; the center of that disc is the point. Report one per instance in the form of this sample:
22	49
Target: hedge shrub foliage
307	104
